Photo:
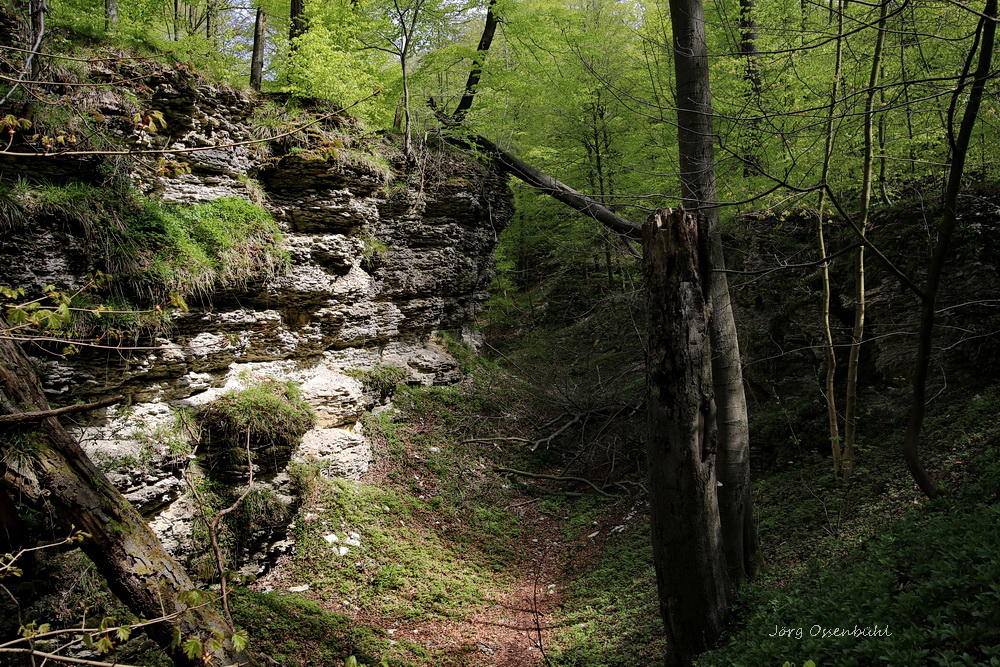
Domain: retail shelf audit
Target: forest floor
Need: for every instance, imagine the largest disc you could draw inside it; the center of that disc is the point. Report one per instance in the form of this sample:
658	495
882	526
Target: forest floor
509	625
440	555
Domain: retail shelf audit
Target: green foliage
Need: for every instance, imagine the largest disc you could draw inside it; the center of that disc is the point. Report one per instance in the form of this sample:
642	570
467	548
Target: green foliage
324	66
380	379
929	583
269	418
19	447
144	251
374	247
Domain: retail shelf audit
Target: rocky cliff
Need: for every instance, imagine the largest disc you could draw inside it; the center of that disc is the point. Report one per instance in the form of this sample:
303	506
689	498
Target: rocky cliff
381	260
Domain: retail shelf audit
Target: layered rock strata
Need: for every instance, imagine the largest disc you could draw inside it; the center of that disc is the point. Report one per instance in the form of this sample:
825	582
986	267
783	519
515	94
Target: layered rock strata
377	268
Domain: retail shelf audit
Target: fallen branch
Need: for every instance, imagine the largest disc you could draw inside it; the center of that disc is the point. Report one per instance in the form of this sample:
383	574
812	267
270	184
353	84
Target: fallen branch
511	439
556	478
39	415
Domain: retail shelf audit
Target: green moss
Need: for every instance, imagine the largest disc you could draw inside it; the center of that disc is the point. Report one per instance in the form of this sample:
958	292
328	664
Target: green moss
295	631
147	254
612	614
398	569
270	417
381	379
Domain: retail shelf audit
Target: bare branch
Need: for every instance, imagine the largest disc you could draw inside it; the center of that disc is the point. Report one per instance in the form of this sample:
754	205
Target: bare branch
39	415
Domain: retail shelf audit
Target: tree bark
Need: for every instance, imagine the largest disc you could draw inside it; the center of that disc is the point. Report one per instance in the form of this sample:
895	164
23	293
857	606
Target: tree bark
485	40
257	56
121	545
110	13
751	150
298	22
697	168
36	10
959	150
691	574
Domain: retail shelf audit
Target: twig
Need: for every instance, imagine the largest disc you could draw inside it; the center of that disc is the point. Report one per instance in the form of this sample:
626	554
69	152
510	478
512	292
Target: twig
526	502
39	415
556	478
782	267
63	658
213	530
511	439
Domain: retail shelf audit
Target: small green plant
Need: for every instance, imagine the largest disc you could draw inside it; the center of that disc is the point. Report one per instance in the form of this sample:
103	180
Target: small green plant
172	439
19	447
374	247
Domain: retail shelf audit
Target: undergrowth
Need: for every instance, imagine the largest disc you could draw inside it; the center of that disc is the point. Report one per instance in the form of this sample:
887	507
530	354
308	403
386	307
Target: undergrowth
269	419
145	256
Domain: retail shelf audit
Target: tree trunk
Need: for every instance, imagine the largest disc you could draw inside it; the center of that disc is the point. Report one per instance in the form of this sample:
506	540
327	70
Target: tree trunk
832	418
298	20
110	13
697	168
959	150
121	545
691	574
476	72
407	129
257	56
36	9
552	187
752	148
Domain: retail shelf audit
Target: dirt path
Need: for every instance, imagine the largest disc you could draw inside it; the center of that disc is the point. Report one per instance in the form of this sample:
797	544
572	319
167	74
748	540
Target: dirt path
512	625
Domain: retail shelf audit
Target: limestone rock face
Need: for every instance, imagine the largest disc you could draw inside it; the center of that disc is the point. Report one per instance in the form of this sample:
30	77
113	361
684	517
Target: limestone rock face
376	271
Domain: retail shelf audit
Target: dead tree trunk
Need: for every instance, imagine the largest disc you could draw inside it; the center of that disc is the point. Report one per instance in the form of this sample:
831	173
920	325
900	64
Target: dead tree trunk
691	573
121	545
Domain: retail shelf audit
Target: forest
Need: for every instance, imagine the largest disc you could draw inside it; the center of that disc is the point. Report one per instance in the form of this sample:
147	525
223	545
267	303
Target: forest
499	332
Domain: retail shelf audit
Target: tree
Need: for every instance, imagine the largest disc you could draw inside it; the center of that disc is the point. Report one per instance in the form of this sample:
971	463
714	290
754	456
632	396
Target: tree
985	38
697	175
110	12
298	20
257	59
688	555
120	543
